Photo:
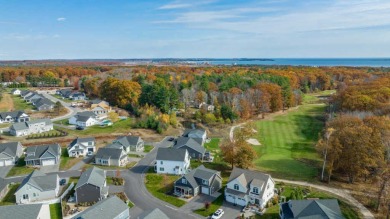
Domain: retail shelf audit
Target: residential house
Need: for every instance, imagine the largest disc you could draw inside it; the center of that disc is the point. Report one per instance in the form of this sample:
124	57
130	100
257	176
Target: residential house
99	111
32	97
4	187
31	211
111	157
195	133
249	187
15	91
319	208
91	187
10	153
64	93
43	104
77	96
81	147
100	103
37	186
84	119
154	214
31	127
112	207
24	93
172	161
14	116
130	143
200	180
43	155
193	145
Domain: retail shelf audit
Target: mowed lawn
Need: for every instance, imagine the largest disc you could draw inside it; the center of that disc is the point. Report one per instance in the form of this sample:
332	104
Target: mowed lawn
288	143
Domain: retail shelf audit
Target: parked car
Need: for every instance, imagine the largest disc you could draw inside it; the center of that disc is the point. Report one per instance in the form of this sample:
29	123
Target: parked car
171	139
218	214
62	182
80	128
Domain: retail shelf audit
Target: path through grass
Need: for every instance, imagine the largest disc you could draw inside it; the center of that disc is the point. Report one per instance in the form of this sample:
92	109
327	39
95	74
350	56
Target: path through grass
288	142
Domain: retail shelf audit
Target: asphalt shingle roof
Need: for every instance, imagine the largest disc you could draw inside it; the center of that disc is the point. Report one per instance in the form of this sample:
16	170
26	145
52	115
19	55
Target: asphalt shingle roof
154	214
40	180
81	140
36	152
171	154
107	208
13	114
20	211
128	140
247	177
94	176
321	209
19	126
107	152
191	143
9	148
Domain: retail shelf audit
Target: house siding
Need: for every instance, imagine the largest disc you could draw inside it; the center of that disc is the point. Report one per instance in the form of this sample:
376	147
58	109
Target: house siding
39	195
170	167
88	193
193	153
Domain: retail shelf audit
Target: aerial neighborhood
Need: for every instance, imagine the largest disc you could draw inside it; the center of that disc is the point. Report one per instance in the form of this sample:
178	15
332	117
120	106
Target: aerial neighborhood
115	142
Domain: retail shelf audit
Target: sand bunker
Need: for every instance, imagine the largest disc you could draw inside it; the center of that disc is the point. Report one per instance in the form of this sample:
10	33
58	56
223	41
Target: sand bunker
253	141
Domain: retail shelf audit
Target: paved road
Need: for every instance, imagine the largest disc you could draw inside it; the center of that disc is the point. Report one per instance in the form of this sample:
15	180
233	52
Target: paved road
71	111
4	171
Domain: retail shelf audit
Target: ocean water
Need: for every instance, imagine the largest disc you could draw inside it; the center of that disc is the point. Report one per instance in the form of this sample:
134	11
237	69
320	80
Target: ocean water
352	62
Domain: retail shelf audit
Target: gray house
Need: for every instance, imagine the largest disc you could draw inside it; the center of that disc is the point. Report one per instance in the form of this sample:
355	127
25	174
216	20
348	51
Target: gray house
130	143
37	186
32	211
43	104
24	93
81	147
201	180
112	207
10	153
193	145
31	127
14	116
43	155
32	96
78	96
320	208
195	133
154	214
110	157
15	91
91	186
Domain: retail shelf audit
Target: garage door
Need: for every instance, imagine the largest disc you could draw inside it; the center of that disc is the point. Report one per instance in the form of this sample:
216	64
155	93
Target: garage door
235	200
1	163
48	162
8	162
205	190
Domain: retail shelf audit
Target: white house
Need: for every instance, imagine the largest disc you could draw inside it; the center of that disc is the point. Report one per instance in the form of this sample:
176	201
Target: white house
37	187
16	91
84	119
172	161
246	186
31	127
10	153
14	116
81	147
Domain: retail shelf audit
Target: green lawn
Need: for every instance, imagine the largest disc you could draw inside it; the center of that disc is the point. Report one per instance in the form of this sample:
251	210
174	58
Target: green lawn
214	206
20	169
60	97
9	198
288	143
122	126
129	165
213	145
55	211
160	185
62	122
148	148
20	104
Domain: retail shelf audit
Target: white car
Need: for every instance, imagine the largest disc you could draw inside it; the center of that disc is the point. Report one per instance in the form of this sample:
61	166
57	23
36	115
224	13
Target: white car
218	214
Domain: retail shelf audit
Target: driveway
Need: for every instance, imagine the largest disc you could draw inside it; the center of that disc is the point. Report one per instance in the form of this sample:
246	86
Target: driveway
4	171
198	202
231	211
50	168
81	163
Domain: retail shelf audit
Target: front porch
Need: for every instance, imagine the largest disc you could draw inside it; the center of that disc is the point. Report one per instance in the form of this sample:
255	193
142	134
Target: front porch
182	191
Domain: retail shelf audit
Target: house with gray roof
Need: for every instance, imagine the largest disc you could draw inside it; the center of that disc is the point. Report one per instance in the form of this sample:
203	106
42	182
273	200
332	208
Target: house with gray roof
10	153
82	147
109	156
78	96
130	143
43	104
248	186
32	97
92	186
153	214
37	186
15	91
195	133
31	127
317	209
31	211
200	180
14	116
24	93
194	146
43	155
112	207
172	161
84	119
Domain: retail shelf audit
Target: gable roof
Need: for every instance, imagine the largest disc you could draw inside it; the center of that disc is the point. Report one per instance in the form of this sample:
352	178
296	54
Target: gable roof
196	132
83	118
200	173
9	148
106	208
154	214
128	140
250	177
19	126
36	152
98	101
193	143
20	211
86	114
80	141
321	208
40	180
44	101
13	114
109	153
171	154
94	176
46	121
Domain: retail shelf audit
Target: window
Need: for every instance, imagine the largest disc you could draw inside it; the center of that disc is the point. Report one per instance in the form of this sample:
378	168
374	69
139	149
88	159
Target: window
256	190
184	181
205	182
25	196
161	162
34	195
236	187
161	168
89	143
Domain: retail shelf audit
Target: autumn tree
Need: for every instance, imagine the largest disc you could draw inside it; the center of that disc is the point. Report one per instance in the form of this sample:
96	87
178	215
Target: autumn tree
122	93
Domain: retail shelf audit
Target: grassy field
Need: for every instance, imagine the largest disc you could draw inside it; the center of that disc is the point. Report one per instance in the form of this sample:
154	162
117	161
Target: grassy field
55	211
6	103
288	142
148	148
9	198
20	104
159	185
67	162
60	97
121	126
20	169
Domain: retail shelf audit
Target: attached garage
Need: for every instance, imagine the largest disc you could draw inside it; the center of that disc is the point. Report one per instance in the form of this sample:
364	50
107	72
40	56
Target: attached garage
235	200
205	190
2	163
48	162
6	162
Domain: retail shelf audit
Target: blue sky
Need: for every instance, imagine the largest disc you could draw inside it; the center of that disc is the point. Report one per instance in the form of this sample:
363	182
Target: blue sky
70	29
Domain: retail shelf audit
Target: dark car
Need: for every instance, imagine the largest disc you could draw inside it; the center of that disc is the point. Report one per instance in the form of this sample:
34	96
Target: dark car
62	182
80	128
171	139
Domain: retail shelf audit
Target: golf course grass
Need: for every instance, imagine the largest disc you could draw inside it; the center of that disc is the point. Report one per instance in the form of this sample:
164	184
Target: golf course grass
288	142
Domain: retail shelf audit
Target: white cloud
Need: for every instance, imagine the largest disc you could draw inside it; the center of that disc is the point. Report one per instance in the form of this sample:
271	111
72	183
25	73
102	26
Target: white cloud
174	6
61	19
179	4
